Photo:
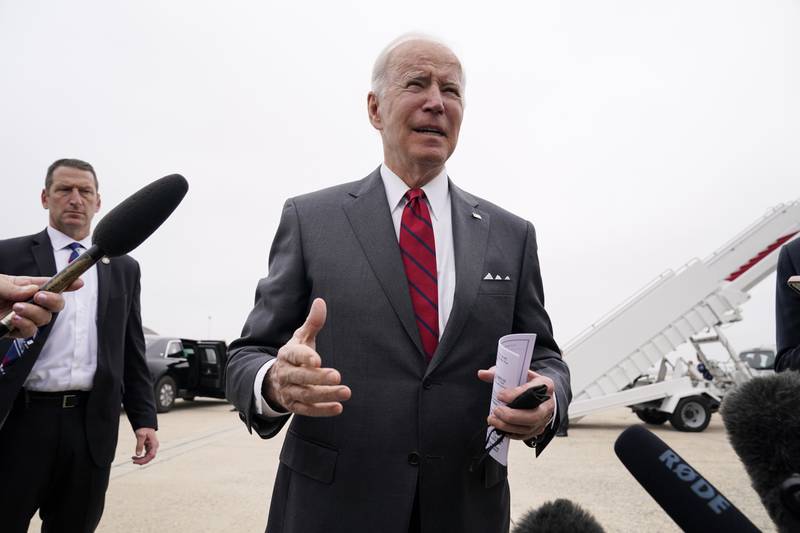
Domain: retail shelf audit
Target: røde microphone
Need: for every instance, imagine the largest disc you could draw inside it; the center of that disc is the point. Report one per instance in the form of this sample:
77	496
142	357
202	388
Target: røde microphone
124	228
559	516
691	501
762	417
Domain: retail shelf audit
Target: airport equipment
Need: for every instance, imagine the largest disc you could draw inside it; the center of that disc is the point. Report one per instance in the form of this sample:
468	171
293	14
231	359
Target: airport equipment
611	362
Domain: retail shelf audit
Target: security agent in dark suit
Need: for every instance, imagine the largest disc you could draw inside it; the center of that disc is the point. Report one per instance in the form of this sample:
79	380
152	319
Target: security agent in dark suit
787	309
58	441
402	296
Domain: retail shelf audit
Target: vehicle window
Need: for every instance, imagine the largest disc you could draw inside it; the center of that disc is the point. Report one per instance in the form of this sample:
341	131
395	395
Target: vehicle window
759	359
211	356
173	348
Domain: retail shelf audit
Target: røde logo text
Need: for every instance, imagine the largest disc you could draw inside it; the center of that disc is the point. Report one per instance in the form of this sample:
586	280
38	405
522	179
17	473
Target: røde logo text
699	486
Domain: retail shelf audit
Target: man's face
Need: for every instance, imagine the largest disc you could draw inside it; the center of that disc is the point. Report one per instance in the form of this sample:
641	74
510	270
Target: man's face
419	113
73	200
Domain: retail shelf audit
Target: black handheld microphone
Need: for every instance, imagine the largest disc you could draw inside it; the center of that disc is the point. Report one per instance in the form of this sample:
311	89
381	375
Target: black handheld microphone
124	228
691	501
559	516
762	417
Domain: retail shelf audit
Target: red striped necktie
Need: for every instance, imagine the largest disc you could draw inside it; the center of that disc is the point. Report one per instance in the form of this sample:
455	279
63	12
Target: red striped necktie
418	250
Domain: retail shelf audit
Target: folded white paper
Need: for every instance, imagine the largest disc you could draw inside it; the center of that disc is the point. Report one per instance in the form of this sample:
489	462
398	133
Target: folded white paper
511	370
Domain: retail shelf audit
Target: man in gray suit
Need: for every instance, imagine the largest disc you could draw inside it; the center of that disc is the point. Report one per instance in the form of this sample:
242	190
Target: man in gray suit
401	284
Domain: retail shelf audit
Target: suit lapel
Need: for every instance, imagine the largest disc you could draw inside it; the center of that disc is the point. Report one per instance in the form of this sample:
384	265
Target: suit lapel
42	250
470	237
103	280
103	290
369	216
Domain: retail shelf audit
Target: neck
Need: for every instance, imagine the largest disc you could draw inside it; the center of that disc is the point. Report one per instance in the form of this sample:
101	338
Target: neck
415	176
76	234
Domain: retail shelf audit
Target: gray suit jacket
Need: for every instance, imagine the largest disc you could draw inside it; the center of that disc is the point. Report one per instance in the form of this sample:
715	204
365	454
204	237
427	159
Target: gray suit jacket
407	422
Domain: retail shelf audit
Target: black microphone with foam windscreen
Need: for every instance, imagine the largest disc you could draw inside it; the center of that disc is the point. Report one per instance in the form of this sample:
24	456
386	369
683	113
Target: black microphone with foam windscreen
689	499
124	228
558	516
762	417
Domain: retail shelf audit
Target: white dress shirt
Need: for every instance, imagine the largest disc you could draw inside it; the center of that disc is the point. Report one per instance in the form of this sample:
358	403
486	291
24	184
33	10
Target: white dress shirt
437	195
68	359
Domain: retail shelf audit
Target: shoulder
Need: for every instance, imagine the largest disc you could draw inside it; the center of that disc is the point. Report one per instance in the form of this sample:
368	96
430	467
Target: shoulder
497	214
330	195
792	249
126	264
17	243
326	204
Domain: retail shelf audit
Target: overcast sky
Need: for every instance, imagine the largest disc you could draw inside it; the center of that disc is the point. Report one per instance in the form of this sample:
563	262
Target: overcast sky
635	135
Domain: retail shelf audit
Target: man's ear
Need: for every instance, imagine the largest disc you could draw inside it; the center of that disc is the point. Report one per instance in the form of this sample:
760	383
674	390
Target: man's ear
373	111
44	198
98	202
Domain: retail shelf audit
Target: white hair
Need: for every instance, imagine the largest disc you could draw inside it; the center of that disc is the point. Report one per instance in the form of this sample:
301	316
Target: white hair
381	66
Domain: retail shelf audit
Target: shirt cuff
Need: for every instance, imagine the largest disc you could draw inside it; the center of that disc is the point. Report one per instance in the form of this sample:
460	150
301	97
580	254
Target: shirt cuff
262	407
555	411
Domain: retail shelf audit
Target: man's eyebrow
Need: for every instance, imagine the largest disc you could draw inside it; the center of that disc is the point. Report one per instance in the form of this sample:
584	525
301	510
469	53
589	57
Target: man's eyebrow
414	75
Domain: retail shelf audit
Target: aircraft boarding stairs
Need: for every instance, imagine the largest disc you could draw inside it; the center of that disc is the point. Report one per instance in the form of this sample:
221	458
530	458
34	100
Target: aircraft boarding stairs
608	360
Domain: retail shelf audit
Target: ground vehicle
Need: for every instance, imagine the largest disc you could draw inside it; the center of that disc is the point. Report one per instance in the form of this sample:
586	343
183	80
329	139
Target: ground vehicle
612	361
761	360
185	368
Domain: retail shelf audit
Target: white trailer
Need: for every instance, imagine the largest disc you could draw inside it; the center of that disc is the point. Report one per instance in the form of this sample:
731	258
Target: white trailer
611	360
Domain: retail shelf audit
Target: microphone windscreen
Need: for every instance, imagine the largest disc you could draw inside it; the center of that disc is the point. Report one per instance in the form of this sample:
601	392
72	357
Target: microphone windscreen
762	417
559	516
127	225
691	501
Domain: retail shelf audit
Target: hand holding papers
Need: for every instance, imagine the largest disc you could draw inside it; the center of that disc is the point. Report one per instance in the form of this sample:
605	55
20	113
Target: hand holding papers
511	370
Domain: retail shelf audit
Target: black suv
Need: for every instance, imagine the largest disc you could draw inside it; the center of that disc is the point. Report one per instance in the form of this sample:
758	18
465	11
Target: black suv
185	368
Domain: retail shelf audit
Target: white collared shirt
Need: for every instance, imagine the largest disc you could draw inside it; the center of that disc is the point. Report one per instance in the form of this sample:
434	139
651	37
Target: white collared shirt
437	194
68	359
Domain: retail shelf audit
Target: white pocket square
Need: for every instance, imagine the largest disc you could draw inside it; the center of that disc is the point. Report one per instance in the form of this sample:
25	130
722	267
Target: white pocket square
496	277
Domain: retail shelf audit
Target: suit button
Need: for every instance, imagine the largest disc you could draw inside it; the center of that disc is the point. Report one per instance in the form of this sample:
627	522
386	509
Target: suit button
413	459
426	383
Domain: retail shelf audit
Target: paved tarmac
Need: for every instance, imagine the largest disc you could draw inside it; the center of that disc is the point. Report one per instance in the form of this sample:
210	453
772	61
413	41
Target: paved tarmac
212	476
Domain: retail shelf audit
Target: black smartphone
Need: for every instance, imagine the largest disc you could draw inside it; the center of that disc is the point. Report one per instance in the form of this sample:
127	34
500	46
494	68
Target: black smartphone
530	398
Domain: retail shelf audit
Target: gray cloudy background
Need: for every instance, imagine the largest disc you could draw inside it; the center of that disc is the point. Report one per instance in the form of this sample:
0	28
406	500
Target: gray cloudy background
634	134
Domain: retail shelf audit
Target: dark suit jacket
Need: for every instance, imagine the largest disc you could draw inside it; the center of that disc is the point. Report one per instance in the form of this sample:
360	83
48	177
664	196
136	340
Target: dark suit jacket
122	375
787	309
407	421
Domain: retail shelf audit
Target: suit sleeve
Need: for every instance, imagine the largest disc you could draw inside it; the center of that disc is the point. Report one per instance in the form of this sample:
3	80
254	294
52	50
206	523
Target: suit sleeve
138	385
530	316
787	313
281	303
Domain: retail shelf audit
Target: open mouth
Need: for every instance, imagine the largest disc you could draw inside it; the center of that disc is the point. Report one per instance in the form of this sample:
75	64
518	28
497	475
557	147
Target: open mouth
430	131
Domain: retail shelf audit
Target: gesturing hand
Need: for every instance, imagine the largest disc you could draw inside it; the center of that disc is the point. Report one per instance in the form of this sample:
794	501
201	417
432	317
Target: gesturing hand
296	380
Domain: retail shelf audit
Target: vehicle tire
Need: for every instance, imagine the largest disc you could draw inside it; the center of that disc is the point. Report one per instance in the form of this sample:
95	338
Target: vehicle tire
165	392
692	414
652	416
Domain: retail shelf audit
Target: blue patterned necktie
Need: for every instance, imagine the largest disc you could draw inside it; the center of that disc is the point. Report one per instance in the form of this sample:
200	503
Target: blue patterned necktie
18	346
75	247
